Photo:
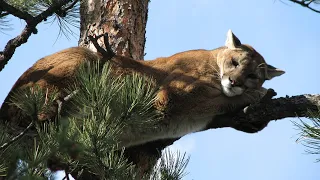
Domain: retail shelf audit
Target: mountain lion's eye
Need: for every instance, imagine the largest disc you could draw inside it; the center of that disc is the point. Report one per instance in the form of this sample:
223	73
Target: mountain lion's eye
252	76
234	63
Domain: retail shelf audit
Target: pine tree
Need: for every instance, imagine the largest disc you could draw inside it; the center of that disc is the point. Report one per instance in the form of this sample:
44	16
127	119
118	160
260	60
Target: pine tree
85	140
78	143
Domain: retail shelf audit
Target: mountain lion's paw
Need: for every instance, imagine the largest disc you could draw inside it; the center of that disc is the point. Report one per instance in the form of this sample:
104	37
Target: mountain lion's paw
268	95
162	100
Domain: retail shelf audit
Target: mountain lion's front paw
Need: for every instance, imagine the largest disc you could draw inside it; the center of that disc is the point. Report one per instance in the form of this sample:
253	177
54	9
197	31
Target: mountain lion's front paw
162	100
266	95
269	95
253	127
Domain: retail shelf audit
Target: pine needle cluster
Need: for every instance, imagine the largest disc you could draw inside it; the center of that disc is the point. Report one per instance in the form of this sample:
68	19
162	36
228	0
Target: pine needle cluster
309	134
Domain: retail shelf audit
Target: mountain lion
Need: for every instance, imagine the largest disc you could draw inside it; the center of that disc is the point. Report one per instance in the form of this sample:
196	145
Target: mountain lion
195	85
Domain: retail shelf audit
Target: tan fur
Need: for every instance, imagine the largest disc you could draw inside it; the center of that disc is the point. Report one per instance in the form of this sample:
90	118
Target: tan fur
190	90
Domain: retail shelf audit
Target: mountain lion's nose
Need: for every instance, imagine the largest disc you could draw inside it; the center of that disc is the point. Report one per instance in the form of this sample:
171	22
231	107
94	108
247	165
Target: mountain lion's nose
233	82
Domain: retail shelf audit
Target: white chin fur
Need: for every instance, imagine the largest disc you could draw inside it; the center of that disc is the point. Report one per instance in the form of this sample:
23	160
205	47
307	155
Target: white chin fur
230	91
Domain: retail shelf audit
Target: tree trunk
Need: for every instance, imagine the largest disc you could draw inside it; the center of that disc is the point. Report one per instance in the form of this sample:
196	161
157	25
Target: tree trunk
124	21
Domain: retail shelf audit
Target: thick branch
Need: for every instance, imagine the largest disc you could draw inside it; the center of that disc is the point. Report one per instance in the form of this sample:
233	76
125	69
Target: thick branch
264	112
30	28
305	4
258	114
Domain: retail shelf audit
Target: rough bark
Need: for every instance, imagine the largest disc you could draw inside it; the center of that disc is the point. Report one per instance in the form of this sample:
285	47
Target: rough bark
263	112
124	21
272	110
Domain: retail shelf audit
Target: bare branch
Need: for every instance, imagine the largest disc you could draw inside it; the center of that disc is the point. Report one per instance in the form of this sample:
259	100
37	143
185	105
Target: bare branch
14	139
3	14
107	44
30	28
66	171
65	99
108	53
306	4
309	2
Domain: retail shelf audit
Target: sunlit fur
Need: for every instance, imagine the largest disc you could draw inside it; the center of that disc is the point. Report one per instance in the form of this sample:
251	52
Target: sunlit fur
194	85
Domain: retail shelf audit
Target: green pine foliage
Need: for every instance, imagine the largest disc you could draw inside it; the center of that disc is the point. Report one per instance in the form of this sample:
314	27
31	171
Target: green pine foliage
171	166
34	7
66	17
100	105
310	133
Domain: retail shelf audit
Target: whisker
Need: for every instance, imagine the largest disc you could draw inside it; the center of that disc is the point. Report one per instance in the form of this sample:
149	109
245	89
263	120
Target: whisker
213	67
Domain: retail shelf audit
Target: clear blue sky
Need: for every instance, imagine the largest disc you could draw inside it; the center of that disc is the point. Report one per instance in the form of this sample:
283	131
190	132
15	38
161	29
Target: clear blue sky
286	35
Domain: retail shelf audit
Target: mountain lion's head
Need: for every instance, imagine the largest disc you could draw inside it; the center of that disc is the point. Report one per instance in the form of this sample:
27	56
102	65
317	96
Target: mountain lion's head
242	68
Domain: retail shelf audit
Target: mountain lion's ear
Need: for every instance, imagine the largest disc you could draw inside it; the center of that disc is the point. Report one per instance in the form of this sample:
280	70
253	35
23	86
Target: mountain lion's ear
272	72
232	41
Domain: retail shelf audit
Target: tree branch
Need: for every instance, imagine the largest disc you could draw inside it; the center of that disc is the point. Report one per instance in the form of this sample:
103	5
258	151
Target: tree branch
15	11
30	28
309	2
3	14
65	99
264	112
108	53
306	4
14	139
253	116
